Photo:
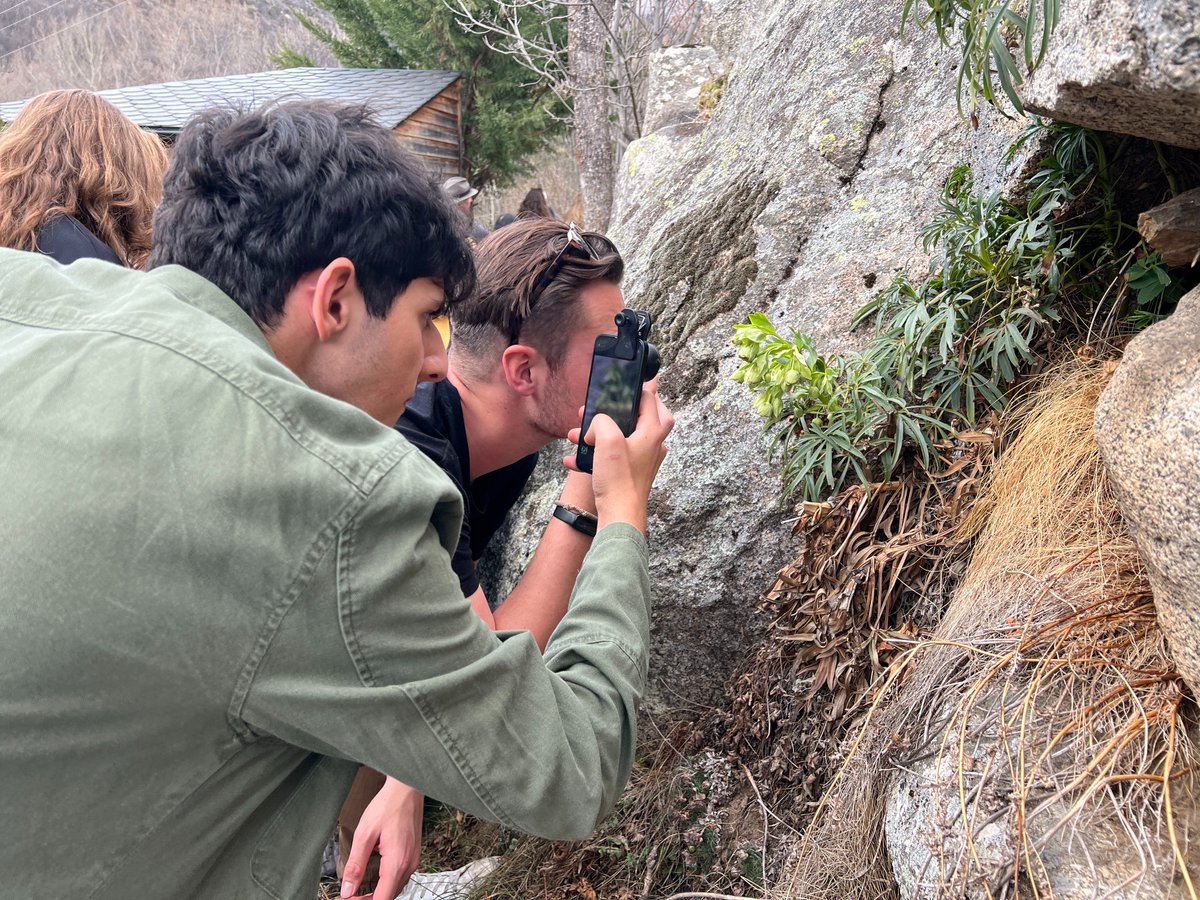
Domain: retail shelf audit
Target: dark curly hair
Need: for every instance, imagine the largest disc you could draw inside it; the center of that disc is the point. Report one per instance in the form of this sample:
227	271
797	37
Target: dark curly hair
254	200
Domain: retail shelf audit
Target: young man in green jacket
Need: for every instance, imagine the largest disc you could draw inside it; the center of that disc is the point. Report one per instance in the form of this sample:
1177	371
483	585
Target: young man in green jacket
226	578
517	375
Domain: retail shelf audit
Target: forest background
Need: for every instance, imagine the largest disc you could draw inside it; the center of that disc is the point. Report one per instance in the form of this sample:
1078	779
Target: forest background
105	44
550	93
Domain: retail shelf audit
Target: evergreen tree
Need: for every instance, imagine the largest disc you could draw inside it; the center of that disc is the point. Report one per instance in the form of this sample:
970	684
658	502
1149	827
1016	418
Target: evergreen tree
507	115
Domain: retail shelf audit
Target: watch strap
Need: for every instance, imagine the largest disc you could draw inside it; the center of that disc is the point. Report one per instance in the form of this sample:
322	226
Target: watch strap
581	520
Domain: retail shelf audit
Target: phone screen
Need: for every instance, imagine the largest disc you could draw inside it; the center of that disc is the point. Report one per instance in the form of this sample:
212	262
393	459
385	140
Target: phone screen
613	390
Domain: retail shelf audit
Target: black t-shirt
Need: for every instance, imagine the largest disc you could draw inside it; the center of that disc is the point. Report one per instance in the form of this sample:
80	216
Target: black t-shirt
433	421
65	239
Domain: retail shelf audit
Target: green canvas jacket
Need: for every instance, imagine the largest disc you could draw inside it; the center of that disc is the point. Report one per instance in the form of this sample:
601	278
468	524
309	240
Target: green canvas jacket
220	590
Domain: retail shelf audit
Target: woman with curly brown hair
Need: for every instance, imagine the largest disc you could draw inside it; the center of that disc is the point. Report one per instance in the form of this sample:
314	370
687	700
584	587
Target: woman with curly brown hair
79	179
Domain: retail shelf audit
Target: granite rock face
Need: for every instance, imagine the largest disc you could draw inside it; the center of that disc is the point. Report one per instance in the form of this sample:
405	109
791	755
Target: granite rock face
1092	857
801	197
1131	66
1148	428
677	76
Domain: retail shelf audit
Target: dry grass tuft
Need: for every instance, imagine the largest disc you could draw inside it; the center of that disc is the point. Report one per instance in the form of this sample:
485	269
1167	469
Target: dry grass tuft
1045	708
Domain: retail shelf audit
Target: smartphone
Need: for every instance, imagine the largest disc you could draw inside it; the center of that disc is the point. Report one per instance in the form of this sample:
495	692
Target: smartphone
620	364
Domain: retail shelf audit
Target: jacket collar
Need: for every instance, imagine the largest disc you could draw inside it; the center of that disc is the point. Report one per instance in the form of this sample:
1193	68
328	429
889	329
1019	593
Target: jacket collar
197	291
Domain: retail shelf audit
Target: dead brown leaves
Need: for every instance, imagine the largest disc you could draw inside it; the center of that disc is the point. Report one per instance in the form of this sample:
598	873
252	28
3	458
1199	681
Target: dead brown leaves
871	578
841	606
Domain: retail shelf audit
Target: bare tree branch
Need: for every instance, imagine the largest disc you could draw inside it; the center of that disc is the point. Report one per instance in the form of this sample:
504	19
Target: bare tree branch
607	87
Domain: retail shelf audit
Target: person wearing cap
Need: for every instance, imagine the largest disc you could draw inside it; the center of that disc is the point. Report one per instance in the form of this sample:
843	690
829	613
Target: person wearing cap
460	192
520	357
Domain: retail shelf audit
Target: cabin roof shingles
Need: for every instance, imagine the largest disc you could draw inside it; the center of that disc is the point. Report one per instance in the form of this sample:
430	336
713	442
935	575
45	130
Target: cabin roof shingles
394	94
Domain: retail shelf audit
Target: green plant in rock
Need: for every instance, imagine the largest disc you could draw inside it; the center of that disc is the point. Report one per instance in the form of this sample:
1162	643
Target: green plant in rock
711	93
998	38
1153	288
1006	280
834	419
750	860
997	274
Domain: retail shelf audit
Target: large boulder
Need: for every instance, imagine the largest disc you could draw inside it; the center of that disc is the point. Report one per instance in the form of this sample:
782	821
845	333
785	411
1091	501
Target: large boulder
1148	428
802	195
1131	66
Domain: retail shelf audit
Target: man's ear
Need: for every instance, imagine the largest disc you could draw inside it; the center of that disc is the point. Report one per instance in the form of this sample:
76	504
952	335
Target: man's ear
335	298
525	369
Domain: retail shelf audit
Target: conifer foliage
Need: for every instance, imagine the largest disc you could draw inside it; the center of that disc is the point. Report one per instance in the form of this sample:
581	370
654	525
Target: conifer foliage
507	114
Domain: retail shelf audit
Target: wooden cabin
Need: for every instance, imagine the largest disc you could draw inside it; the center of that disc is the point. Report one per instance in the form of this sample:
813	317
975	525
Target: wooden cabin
420	106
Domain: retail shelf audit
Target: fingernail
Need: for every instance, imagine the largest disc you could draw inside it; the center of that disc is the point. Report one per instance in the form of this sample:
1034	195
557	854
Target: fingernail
347	889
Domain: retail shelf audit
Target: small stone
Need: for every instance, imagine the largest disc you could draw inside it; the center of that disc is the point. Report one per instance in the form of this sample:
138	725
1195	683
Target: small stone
1173	228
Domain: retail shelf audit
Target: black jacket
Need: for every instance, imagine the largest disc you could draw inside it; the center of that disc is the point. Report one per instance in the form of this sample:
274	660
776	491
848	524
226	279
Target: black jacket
65	239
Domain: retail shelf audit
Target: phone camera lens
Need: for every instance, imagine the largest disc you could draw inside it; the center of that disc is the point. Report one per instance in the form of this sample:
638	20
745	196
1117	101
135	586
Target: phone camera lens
652	363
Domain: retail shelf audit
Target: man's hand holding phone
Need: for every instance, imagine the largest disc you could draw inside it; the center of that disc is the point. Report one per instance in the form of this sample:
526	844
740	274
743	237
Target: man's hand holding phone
621	364
623	468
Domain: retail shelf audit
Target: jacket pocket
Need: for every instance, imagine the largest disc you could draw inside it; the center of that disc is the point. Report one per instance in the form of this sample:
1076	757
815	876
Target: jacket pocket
287	857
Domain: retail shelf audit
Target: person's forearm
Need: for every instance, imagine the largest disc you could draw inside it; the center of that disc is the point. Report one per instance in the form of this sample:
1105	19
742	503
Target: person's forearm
540	598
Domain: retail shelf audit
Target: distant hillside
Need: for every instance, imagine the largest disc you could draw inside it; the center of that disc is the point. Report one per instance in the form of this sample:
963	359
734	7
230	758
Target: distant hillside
100	44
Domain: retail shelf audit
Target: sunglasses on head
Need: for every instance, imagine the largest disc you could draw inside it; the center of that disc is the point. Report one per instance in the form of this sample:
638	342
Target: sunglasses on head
581	245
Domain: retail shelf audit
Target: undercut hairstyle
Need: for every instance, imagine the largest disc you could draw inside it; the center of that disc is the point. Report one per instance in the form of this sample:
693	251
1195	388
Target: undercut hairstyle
255	200
73	153
511	261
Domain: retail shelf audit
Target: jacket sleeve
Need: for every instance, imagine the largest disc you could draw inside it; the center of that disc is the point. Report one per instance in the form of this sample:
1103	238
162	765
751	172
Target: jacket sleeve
381	660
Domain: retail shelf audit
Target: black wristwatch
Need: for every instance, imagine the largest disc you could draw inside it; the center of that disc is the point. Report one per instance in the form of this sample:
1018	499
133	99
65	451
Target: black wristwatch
581	520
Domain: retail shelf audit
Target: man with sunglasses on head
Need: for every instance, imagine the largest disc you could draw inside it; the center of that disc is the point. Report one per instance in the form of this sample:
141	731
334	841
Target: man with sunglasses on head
519	362
226	578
